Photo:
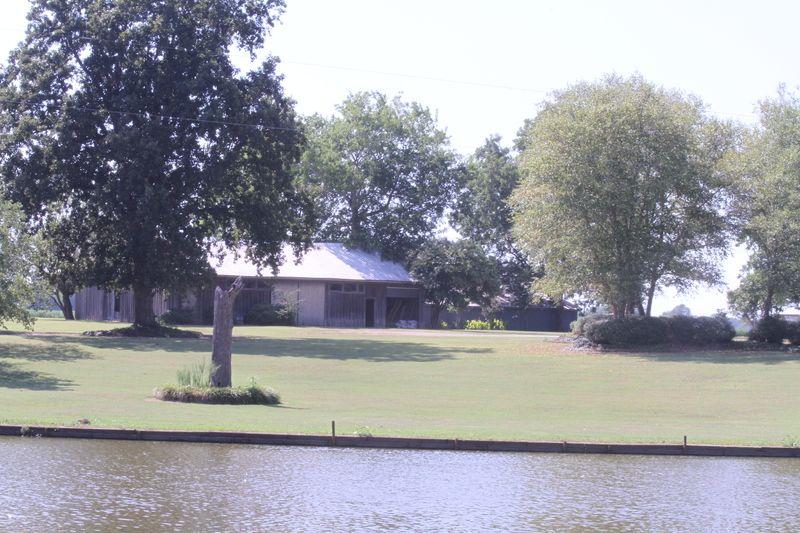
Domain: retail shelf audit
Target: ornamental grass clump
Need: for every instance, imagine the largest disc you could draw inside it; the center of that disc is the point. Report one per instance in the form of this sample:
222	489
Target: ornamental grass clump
194	386
197	375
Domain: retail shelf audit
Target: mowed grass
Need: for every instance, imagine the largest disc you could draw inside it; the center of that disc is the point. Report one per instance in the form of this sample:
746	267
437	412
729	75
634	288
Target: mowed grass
415	383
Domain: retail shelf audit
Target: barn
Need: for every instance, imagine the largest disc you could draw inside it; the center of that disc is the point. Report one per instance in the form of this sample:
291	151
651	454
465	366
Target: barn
331	285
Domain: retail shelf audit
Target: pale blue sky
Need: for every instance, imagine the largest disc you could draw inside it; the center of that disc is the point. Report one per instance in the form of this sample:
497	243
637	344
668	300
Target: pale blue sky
731	54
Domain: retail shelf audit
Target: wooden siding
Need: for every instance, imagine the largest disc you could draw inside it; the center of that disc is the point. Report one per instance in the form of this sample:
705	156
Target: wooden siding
377	291
93	303
316	305
312	303
344	309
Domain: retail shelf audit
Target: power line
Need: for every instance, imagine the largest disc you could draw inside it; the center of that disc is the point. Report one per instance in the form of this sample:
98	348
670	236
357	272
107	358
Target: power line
418	77
398	75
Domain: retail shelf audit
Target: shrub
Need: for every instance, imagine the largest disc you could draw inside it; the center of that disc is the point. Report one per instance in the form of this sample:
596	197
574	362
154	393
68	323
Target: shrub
793	332
251	394
700	330
45	313
197	375
264	314
579	326
638	331
177	316
771	329
629	331
491	324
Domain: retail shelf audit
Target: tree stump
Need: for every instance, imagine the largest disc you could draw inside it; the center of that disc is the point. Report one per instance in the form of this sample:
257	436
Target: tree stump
223	333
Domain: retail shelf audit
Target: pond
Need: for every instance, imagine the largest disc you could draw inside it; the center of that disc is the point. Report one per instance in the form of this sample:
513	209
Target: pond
67	484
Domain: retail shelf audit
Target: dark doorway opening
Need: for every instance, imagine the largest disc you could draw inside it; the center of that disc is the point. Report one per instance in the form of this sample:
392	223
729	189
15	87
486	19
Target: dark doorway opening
369	313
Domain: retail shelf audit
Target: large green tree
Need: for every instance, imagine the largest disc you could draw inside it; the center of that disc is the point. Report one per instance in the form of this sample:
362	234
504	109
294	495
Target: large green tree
62	263
621	193
129	120
482	214
382	172
454	274
18	255
766	174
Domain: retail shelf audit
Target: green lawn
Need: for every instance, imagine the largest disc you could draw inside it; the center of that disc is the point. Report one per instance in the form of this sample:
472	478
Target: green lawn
416	383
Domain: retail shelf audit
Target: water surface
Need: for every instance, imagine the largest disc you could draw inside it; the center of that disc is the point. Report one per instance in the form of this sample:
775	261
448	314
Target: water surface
64	484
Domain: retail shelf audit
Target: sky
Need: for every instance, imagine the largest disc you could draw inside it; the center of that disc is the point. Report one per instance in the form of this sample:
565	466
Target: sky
484	67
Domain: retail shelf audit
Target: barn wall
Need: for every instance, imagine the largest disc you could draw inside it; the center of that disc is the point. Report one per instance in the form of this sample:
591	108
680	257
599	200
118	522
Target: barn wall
312	303
344	309
528	319
377	292
92	303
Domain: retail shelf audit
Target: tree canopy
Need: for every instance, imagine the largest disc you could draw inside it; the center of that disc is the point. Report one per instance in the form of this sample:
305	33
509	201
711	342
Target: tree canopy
454	274
483	215
18	255
129	123
382	173
766	206
621	193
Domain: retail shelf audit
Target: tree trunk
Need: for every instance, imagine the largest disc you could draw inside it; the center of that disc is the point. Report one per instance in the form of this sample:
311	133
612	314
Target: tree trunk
66	306
143	314
223	333
651	292
766	310
435	311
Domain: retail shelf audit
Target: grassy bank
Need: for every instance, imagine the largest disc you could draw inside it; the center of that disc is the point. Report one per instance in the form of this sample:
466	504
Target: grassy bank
395	383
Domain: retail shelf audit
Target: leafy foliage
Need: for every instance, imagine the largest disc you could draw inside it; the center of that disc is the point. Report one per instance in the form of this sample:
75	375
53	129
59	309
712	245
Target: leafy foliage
482	215
679	310
264	314
490	324
62	262
579	326
19	285
643	331
252	394
700	329
620	192
628	331
766	172
454	274
177	316
770	329
382	172
129	122
793	333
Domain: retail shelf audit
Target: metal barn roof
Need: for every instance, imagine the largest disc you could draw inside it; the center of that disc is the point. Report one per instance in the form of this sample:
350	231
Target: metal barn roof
323	261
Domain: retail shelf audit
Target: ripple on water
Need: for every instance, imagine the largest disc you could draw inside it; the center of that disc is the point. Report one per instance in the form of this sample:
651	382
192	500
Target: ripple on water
85	485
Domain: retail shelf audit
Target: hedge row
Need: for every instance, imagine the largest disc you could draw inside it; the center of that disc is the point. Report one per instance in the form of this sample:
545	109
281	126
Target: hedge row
775	330
638	331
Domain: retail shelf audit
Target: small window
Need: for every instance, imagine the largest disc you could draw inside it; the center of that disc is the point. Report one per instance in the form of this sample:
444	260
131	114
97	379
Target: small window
350	287
336	287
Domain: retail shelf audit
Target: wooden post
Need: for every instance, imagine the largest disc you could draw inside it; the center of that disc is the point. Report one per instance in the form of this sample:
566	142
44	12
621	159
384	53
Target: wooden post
684	441
333	432
222	341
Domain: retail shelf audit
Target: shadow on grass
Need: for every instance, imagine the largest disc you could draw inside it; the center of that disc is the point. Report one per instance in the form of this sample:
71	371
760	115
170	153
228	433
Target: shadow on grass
372	350
733	355
12	377
44	351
